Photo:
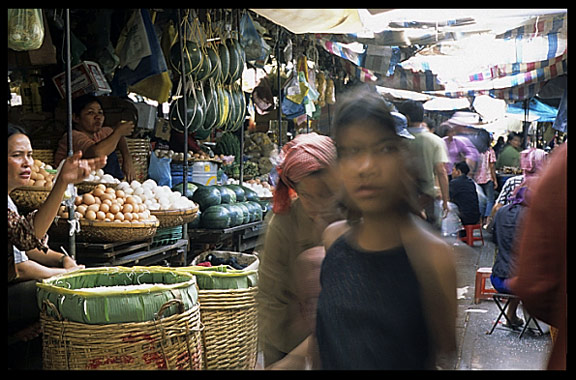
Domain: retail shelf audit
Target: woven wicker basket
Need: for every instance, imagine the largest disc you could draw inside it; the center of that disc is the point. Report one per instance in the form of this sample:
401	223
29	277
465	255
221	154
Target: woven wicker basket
172	218
87	186
100	231
29	197
44	155
230	334
164	343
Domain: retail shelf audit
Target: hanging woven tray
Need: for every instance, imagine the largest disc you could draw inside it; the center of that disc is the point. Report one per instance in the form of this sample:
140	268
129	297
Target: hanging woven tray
171	218
101	231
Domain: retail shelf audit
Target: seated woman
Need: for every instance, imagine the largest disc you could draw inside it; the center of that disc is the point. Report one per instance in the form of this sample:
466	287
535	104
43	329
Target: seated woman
28	233
504	234
94	139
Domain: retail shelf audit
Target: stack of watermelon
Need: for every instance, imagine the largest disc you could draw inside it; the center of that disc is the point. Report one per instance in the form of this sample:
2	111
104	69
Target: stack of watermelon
225	206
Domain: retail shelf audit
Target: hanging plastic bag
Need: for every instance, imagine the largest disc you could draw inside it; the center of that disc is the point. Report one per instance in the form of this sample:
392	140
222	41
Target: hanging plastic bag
159	170
254	45
25	29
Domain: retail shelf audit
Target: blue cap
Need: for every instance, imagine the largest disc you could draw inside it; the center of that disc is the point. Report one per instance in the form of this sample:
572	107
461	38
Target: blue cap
401	125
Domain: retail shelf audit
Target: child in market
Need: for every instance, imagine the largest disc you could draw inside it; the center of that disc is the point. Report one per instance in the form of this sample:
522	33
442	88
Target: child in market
388	298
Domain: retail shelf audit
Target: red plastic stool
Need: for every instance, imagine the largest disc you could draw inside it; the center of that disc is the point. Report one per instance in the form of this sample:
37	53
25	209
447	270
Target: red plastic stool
470	238
483	287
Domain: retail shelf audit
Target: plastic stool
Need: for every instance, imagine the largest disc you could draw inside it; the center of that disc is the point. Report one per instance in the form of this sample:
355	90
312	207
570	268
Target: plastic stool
470	238
481	290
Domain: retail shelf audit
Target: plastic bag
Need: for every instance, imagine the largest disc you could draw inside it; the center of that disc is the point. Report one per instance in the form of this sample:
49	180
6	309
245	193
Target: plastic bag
159	170
451	224
254	45
25	29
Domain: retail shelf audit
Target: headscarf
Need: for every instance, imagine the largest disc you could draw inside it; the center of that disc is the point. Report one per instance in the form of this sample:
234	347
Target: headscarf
304	155
531	161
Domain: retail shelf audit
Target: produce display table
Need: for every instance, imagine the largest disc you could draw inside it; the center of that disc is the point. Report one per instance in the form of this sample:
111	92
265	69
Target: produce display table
129	253
243	237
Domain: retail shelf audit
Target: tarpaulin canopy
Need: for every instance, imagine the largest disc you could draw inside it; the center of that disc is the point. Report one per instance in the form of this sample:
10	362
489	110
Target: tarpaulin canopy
535	108
504	53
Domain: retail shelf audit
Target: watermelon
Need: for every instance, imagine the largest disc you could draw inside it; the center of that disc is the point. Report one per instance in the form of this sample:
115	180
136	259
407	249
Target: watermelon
236	214
228	195
196	222
216	216
240	194
250	194
257	209
180	188
207	196
246	212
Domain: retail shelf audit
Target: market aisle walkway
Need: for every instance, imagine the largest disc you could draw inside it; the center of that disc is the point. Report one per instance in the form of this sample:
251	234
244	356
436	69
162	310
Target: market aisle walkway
501	350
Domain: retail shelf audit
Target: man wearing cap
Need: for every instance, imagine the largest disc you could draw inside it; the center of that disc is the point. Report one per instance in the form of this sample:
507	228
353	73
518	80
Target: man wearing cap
431	157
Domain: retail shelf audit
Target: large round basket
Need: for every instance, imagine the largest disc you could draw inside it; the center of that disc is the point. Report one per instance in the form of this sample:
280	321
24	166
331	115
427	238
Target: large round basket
29	197
121	318
172	218
173	342
102	231
88	186
230	319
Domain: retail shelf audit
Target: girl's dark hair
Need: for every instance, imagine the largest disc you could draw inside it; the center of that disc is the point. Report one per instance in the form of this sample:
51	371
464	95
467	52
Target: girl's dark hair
80	102
14	129
361	105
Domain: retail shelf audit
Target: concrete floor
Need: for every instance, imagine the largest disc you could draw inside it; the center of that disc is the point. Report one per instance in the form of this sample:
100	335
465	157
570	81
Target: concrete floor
502	350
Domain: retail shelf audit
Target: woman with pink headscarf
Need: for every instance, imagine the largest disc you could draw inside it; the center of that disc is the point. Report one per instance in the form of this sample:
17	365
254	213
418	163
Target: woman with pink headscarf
304	204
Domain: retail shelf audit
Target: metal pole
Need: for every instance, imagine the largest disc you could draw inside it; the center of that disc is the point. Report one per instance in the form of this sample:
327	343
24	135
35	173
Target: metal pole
181	41
72	238
241	179
279	110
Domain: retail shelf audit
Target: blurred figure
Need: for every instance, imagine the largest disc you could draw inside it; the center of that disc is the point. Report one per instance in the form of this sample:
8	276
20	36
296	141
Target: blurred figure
505	235
532	161
540	278
430	159
304	204
463	194
510	154
459	148
388	298
485	177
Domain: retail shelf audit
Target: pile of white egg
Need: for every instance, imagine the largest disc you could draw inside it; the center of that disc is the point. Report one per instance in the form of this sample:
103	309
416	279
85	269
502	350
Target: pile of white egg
156	197
99	176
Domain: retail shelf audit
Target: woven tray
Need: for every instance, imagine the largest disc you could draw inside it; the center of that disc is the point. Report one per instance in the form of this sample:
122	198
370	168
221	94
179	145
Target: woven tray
100	231
165	343
29	197
171	218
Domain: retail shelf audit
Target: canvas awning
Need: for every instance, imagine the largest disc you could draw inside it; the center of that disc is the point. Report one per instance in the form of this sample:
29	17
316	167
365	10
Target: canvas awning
504	53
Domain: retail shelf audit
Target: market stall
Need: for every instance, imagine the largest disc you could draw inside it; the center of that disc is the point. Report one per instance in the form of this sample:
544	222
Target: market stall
215	93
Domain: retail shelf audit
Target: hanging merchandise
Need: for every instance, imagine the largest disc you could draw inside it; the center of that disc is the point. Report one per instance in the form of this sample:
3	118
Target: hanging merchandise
256	48
25	29
142	67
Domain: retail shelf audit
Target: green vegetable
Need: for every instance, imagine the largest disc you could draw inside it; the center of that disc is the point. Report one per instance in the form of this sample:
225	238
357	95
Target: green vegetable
217	216
207	196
